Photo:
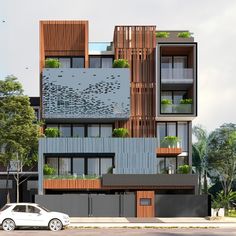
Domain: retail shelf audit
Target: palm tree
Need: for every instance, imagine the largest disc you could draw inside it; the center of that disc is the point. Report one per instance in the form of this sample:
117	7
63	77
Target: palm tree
200	156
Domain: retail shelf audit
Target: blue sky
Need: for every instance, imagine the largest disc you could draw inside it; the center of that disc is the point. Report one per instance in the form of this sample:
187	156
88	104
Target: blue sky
212	22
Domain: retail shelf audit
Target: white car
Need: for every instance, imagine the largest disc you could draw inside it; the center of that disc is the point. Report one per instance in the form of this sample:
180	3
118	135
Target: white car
28	214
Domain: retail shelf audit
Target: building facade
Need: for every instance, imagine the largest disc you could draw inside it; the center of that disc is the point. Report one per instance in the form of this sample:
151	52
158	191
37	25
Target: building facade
155	99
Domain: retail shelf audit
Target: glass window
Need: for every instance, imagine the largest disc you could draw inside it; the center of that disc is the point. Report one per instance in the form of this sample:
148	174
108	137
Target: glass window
78	131
183	135
94	62
32	209
93	166
161	166
78	62
93	130
106	165
171	129
182	160
65	62
180	62
53	162
65	131
178	95
107	62
64	166
166	62
52	126
78	166
161	132
106	130
20	208
166	95
171	165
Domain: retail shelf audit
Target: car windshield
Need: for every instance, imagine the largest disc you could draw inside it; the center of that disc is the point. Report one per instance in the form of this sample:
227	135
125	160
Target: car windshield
4	208
44	208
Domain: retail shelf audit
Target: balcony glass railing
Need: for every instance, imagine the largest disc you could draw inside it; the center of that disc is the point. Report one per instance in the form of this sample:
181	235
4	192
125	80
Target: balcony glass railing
176	74
176	108
72	176
99	47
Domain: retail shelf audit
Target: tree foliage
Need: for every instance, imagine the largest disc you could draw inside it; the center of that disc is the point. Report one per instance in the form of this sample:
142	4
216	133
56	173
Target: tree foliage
18	128
222	155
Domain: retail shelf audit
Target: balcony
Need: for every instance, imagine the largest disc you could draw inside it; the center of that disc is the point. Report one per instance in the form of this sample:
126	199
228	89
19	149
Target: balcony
176	75
176	108
79	94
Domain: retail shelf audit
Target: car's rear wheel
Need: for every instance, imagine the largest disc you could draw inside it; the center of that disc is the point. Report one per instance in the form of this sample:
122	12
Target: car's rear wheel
55	225
8	225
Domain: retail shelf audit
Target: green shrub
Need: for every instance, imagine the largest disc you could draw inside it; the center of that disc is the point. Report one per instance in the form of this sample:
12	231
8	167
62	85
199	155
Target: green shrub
184	34
166	102
52	132
121	63
162	34
52	63
48	170
170	141
120	132
186	101
184	169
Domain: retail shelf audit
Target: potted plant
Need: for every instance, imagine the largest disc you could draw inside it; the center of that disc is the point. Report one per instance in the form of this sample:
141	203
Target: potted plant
120	132
52	132
52	63
184	169
162	35
184	34
185	106
166	106
170	142
120	63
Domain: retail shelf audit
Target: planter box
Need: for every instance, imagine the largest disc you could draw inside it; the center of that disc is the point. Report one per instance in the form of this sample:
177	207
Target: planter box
168	151
72	184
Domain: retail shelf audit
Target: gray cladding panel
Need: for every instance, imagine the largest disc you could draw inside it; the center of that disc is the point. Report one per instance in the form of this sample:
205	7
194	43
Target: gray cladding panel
132	155
75	93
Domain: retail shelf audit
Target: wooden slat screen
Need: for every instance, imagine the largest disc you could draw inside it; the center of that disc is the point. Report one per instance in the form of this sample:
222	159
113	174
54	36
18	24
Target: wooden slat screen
137	44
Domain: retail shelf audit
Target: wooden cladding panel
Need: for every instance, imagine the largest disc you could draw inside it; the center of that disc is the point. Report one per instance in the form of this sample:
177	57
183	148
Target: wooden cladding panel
63	38
72	184
137	45
145	211
168	151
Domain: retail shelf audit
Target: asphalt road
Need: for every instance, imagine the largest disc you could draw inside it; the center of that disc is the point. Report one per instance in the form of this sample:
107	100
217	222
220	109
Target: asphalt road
125	232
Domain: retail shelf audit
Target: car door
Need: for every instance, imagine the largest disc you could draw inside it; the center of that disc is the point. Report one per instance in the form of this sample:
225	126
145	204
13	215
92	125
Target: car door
20	216
36	216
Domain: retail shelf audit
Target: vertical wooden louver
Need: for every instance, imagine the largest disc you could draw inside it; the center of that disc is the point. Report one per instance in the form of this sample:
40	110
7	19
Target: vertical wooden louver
137	44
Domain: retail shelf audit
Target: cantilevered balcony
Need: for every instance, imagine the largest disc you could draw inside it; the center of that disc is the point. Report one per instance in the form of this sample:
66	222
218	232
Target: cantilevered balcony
176	75
176	108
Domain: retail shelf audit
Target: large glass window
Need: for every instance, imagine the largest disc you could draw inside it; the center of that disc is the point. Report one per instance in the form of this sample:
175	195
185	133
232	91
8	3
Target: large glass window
171	165
78	62
78	131
107	62
94	62
64	166
161	132
65	62
53	162
171	129
166	62
183	135
65	130
106	165
78	166
180	62
93	166
106	131
161	166
93	130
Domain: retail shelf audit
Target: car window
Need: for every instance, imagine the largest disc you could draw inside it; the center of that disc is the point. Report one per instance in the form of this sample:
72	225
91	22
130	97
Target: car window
32	209
20	208
5	207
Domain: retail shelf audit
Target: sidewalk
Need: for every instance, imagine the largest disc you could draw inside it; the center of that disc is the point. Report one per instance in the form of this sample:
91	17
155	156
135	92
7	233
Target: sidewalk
178	222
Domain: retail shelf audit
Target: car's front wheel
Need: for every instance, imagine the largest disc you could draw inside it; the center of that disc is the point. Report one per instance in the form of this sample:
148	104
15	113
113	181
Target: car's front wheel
8	225
55	225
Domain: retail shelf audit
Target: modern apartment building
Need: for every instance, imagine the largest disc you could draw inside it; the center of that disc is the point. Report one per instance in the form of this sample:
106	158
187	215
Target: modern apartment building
155	99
